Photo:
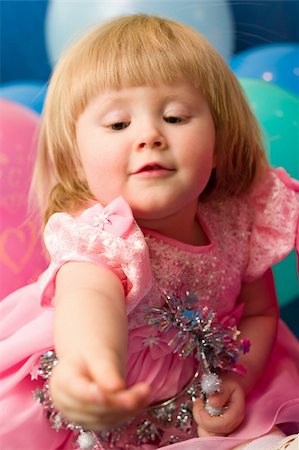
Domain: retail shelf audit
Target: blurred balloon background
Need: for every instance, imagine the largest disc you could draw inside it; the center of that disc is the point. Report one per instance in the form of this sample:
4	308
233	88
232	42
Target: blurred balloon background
259	40
26	93
21	257
274	63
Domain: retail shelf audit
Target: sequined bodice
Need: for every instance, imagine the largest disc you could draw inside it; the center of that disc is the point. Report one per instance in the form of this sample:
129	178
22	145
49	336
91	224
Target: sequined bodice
214	272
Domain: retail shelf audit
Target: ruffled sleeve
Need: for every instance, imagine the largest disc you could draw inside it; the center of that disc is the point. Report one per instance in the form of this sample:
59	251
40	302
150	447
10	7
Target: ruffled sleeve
274	209
106	236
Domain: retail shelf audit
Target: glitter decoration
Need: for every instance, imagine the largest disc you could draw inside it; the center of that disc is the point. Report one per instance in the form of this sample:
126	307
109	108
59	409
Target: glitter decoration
214	411
210	383
108	439
185	418
195	332
86	441
201	334
148	432
46	364
165	413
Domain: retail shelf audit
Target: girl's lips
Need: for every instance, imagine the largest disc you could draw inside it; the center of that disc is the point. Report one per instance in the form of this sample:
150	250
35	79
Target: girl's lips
153	171
152	167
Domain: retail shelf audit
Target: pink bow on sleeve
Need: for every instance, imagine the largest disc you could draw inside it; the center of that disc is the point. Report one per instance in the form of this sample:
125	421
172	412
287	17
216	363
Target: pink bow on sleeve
115	218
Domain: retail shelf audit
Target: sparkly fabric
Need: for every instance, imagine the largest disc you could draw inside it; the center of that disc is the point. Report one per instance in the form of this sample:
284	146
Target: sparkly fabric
246	236
272	234
198	334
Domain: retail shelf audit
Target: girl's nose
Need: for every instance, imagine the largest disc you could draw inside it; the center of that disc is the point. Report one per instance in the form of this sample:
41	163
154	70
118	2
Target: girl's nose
156	145
151	139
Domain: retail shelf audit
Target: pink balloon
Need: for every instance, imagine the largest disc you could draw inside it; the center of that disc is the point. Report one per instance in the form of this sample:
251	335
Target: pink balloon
21	253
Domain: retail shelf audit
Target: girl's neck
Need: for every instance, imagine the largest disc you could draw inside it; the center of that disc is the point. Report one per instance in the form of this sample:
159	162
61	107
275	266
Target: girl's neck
184	228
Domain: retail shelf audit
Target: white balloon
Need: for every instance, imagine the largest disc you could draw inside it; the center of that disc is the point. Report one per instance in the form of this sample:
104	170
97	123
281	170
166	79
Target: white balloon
66	20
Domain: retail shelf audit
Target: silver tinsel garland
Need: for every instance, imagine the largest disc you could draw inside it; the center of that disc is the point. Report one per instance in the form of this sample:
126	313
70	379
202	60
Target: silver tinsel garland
200	333
195	332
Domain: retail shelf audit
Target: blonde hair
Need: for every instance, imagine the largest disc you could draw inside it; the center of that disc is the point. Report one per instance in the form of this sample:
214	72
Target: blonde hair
133	51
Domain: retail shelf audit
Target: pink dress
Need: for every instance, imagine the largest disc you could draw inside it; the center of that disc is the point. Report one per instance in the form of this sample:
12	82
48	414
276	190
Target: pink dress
247	236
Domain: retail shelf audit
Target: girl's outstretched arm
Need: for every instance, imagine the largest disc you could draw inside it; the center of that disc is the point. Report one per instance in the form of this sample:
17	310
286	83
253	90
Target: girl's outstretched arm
259	324
91	335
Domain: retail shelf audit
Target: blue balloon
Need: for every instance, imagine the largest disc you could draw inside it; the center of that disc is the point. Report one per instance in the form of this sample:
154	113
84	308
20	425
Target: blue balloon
67	20
273	63
277	111
29	94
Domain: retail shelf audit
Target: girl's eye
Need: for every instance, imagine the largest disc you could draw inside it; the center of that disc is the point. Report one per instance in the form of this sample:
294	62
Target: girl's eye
173	119
119	125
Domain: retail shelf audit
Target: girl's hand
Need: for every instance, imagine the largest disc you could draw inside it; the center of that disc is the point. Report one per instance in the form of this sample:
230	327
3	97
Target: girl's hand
232	398
93	393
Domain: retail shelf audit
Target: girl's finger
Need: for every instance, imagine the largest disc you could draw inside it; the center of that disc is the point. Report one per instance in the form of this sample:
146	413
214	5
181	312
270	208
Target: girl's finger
219	399
133	398
106	375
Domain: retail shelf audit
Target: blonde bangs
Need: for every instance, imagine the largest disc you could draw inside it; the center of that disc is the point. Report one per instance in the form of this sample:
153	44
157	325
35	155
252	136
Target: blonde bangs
134	51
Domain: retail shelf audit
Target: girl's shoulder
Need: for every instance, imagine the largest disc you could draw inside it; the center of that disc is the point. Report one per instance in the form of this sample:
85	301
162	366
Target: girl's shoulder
273	199
273	206
267	195
92	230
264	223
273	187
106	236
116	218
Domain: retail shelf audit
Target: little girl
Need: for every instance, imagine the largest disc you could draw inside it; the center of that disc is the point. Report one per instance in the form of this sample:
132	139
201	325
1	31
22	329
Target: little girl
163	219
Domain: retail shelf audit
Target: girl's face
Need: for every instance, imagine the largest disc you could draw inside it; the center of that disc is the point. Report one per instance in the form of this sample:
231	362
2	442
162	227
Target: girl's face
154	146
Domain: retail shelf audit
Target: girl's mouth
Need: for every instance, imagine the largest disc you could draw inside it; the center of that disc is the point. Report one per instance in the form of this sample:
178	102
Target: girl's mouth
152	167
153	171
